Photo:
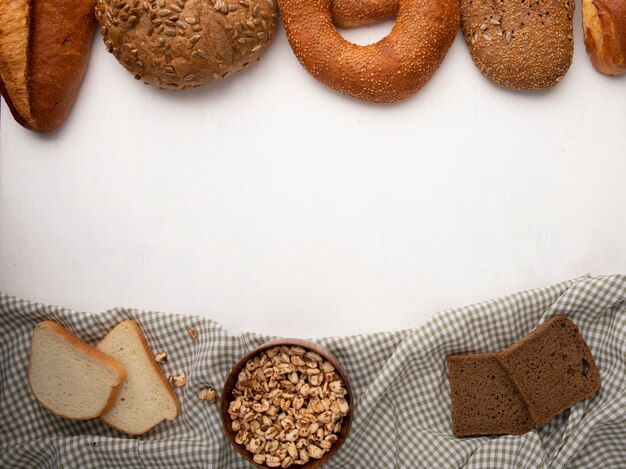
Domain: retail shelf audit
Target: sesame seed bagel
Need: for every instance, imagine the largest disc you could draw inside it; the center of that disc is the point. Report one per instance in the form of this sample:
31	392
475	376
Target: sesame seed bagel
523	45
178	44
352	13
390	70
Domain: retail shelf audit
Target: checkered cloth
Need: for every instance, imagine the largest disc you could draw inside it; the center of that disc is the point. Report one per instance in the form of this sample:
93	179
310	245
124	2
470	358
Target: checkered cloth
400	381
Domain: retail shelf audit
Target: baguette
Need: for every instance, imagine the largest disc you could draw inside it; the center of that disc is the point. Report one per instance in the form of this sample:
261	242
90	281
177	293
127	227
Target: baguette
44	48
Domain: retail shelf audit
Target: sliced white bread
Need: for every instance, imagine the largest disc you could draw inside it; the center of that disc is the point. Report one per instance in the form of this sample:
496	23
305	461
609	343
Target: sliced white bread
146	398
69	377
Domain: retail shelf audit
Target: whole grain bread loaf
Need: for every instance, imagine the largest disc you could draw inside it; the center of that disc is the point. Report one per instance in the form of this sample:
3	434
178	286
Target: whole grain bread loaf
484	399
523	45
552	368
178	44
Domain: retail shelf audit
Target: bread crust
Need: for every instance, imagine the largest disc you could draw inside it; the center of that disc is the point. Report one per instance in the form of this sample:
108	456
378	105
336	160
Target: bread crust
390	70
75	342
520	45
14	30
19	117
155	367
604	27
60	40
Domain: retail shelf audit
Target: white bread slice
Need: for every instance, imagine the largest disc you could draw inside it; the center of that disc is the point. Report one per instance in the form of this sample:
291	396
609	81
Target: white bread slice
69	377
146	398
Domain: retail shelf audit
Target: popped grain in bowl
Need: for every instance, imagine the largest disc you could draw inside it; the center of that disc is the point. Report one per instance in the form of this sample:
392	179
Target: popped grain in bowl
288	407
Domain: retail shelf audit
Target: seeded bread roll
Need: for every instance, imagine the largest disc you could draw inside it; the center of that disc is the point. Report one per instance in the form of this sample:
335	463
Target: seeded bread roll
523	45
604	25
484	399
552	368
178	44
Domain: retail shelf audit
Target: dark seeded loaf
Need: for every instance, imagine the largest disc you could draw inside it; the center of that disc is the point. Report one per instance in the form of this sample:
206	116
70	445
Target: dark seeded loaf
523	45
484	399
552	368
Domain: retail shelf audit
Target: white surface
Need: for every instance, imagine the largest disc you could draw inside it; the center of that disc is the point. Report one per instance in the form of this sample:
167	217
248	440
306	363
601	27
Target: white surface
271	203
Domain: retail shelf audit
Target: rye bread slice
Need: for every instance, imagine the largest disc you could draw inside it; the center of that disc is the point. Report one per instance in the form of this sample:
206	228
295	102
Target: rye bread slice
552	368
484	399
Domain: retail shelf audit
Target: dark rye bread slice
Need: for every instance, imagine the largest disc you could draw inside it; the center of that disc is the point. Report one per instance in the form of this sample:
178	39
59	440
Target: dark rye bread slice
484	399
552	368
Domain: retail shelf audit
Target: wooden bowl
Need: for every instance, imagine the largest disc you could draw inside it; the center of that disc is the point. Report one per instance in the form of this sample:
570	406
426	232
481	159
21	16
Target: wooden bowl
231	381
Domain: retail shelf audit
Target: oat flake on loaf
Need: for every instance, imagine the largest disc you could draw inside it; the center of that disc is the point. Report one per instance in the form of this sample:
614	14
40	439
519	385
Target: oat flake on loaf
178	44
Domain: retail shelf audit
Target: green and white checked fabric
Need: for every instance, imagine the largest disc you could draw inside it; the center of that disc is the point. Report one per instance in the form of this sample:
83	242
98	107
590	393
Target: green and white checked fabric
400	380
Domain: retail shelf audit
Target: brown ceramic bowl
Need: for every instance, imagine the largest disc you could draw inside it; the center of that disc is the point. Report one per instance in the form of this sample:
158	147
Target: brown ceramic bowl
231	381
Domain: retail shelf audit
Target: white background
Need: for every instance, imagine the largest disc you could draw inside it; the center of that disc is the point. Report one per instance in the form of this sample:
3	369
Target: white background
273	204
